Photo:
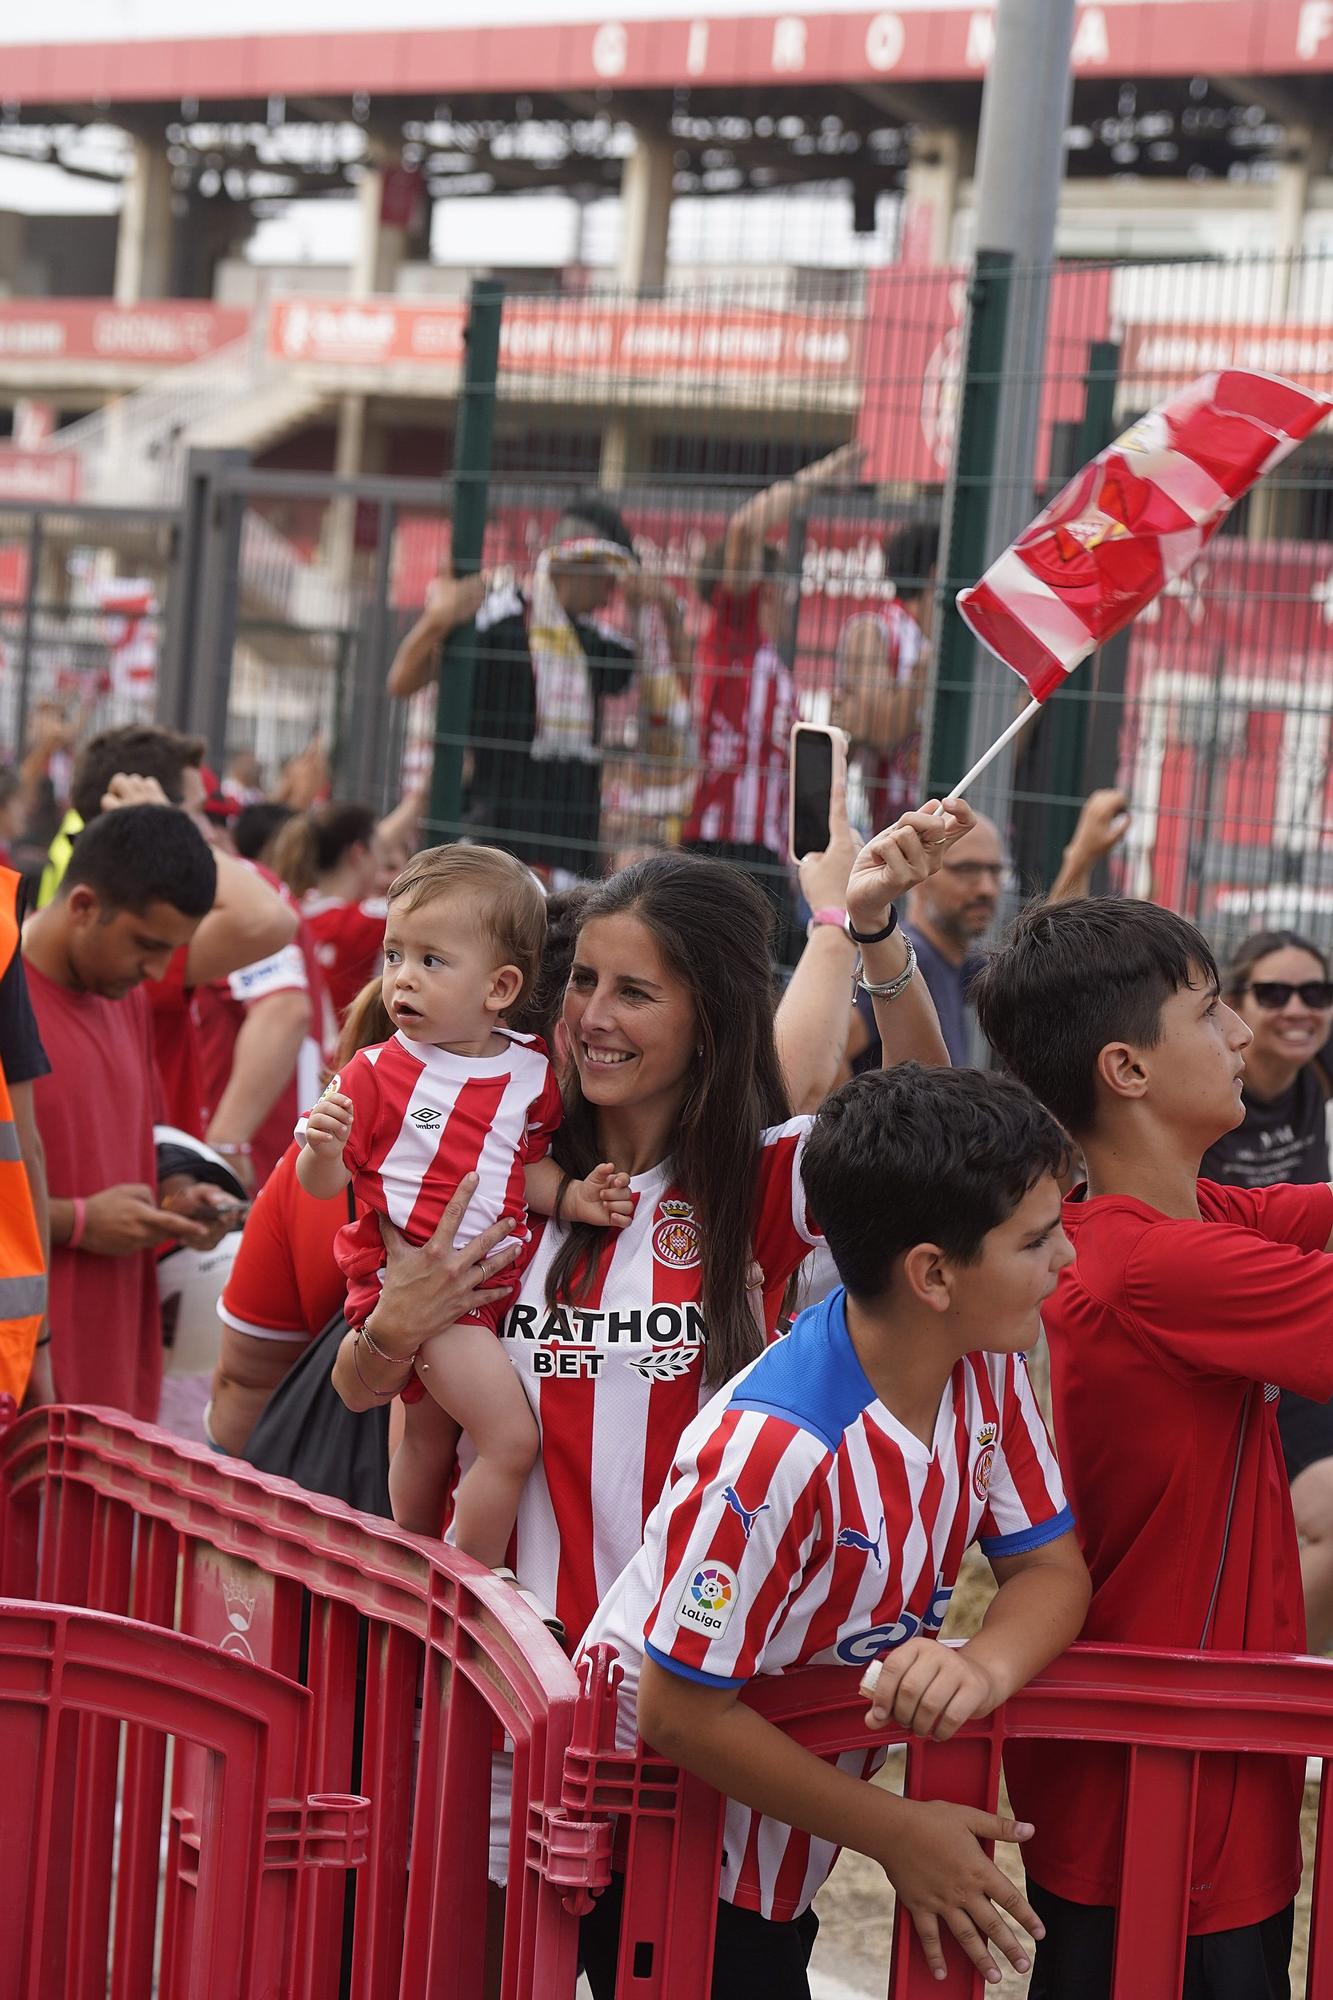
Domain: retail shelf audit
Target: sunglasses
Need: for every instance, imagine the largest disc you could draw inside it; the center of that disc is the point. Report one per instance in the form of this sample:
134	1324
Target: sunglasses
1276	993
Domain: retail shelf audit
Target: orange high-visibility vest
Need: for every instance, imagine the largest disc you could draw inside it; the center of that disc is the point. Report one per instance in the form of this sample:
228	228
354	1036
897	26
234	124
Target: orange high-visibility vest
22	1270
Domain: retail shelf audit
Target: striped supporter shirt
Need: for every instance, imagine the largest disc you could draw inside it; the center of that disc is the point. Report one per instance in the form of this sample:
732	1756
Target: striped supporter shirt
747	703
615	1378
805	1526
421	1119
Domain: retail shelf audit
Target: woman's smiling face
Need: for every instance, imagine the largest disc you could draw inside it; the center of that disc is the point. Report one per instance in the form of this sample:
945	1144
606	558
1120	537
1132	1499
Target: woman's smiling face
630	1019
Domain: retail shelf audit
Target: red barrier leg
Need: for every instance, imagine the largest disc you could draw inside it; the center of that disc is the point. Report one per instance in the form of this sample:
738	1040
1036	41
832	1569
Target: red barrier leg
966	1771
393	1666
1154	1874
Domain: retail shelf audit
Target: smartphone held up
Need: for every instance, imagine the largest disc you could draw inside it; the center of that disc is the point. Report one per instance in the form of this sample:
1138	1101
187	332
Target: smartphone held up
818	767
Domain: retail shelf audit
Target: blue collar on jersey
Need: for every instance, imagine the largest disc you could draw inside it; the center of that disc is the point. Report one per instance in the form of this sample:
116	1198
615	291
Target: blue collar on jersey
812	1378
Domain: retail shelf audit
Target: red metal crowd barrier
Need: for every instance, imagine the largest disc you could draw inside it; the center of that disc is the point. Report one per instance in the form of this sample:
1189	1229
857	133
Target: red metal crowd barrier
100	1511
69	1680
1166	1708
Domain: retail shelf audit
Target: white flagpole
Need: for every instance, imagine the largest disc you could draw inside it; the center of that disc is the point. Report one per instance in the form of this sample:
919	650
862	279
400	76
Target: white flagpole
1019	722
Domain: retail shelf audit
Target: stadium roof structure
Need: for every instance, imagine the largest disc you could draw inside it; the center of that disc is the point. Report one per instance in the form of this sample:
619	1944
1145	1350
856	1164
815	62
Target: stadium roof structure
1197	89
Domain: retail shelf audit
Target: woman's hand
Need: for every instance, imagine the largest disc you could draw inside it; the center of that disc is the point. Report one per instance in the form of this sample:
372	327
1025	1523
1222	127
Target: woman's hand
427	1287
906	853
824	875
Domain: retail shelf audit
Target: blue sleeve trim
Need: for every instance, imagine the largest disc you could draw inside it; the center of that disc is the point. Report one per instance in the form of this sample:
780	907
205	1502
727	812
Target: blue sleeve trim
690	1673
1028	1538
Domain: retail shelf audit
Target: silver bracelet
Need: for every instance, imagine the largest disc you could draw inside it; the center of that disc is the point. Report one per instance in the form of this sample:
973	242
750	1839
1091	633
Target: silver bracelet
891	988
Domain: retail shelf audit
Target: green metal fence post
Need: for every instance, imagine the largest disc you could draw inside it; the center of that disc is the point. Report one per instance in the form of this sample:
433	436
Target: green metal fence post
1066	720
963	547
472	468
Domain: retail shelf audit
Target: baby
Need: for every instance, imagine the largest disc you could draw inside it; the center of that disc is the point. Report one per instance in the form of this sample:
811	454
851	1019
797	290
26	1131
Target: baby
454	1092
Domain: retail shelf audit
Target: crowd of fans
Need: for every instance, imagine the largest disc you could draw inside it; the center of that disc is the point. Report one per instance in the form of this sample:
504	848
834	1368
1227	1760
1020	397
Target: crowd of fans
539	1158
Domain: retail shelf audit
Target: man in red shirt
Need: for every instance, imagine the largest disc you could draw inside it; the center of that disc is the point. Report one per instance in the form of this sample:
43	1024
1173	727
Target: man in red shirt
138	884
882	660
1187	1301
746	694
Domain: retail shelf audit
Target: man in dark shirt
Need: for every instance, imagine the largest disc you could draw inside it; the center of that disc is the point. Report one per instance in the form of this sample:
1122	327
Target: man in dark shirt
543	670
949	914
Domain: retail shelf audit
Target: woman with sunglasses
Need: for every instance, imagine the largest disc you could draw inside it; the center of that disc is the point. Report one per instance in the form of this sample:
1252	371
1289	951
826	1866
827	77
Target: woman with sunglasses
1278	982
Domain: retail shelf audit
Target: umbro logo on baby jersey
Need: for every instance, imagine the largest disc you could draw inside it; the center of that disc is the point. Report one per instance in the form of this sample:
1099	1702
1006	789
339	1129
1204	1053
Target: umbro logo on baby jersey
427	1120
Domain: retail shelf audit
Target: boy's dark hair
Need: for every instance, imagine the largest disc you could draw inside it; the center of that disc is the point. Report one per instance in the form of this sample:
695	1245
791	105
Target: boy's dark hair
139	855
1070	978
910	554
257	824
140	751
911	1155
594	511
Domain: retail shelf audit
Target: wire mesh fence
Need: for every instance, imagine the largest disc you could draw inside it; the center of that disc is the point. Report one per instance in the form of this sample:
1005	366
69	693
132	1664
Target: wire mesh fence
779	465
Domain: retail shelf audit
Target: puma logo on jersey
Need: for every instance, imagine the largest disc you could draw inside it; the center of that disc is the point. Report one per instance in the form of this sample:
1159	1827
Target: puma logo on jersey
749	1515
852	1538
427	1120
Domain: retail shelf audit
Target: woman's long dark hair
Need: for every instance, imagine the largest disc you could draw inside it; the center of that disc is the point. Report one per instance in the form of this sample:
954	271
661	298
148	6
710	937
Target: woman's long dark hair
713	929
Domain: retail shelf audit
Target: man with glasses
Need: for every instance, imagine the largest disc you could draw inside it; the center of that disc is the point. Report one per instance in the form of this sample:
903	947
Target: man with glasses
950	913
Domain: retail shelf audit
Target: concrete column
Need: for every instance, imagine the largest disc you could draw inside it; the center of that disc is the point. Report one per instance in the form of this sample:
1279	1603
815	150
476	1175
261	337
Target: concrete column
939	160
386	199
143	240
645	209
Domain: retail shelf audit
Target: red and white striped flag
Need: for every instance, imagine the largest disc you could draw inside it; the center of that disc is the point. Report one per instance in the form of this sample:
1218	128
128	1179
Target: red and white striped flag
1133	520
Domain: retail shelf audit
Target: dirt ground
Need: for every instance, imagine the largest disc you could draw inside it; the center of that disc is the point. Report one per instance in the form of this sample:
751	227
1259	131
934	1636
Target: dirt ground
856	1905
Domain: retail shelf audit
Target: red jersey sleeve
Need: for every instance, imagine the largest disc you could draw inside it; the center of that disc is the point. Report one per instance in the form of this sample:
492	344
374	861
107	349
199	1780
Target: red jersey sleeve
731	1542
1218	1297
359	1082
1025	1500
784	1230
1302	1216
544	1115
285	1283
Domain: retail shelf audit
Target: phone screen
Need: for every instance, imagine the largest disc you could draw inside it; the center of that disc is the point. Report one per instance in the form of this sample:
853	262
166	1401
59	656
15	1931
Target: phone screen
812	788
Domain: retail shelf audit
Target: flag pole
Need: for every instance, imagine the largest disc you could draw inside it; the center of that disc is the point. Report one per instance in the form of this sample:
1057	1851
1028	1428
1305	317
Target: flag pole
1001	742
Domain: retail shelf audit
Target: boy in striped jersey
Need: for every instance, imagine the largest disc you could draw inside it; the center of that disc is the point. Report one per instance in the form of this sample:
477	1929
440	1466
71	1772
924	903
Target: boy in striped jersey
819	1509
453	1093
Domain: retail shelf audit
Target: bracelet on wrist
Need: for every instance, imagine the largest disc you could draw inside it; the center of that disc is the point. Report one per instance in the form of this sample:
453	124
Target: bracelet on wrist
826	919
375	1348
384	1395
78	1222
873	937
887	989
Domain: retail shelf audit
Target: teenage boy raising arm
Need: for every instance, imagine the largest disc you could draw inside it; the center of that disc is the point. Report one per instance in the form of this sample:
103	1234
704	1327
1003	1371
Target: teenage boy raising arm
1186	1302
819	1509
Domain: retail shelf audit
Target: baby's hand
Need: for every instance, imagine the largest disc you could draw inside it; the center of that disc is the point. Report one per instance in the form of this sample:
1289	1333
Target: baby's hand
329	1126
603	1198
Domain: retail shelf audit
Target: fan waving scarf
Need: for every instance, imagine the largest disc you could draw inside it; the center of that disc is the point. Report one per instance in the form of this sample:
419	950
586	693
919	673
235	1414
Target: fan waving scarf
1133	520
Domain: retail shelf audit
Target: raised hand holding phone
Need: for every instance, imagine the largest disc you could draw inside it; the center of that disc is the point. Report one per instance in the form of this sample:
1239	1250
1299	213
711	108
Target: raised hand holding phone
817	762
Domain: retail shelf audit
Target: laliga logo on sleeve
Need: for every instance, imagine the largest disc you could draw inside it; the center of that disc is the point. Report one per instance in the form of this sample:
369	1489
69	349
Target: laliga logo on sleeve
981	1471
709	1600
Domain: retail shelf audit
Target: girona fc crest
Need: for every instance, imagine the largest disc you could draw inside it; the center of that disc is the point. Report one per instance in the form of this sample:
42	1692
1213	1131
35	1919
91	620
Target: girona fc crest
676	1236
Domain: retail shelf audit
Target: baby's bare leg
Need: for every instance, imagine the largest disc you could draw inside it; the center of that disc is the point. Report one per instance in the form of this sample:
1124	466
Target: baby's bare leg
420	1467
467	1372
